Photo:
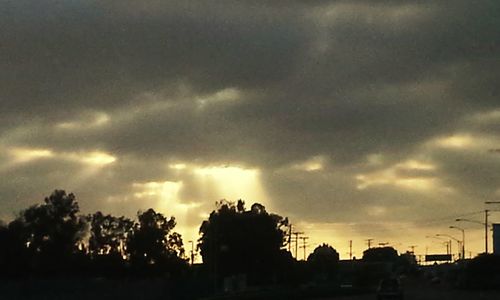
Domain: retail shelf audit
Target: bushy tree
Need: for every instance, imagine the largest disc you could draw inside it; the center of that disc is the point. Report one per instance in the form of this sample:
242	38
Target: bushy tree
323	261
151	241
108	234
52	230
380	254
235	240
44	238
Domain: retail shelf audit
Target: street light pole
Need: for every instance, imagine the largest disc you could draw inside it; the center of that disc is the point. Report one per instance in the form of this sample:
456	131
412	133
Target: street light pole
453	238
463	239
485	224
443	241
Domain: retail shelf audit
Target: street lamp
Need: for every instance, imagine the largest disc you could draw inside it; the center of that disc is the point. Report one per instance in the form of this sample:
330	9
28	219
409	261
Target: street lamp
443	241
463	239
468	220
459	242
481	223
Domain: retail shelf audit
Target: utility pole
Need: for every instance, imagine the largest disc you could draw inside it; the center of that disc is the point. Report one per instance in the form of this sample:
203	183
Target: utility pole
412	247
350	250
304	245
293	237
297	243
369	243
486	212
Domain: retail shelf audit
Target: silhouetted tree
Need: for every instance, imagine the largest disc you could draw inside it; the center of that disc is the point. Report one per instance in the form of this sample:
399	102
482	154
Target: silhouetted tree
152	243
16	257
4	245
324	255
235	241
323	261
107	243
51	232
108	234
380	254
47	239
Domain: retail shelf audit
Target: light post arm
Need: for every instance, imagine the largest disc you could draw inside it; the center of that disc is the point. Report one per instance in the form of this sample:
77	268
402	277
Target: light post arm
463	239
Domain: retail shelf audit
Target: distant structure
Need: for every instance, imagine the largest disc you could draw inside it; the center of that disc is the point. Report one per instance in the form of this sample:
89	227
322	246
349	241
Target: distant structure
496	239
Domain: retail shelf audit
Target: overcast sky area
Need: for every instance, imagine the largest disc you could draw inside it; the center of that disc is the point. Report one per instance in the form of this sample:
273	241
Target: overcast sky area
355	119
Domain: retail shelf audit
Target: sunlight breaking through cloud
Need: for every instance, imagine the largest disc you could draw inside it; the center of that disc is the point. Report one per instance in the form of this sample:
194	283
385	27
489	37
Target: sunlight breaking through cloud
166	193
233	182
166	198
23	155
410	174
91	158
86	122
319	109
456	141
229	94
98	158
315	163
177	166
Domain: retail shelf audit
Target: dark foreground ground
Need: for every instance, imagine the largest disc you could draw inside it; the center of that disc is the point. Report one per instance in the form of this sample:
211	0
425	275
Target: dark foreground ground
157	289
91	289
423	290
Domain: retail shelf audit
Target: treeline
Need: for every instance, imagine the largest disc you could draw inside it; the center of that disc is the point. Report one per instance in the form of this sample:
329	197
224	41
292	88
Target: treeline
54	239
238	246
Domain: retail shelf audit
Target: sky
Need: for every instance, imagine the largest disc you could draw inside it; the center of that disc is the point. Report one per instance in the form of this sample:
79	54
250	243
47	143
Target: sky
355	119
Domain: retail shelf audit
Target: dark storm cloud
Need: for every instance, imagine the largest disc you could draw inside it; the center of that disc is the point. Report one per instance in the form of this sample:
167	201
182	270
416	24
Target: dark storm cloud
60	55
298	79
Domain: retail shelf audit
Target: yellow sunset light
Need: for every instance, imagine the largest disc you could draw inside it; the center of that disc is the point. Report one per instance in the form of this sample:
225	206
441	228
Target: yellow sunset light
233	183
457	141
97	158
22	155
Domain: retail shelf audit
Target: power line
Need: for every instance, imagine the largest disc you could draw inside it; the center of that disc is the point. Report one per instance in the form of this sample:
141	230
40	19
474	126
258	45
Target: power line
304	245
293	236
297	243
448	217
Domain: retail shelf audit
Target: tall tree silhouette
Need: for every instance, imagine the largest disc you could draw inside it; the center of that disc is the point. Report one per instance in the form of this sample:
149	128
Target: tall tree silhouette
234	240
152	242
108	234
51	231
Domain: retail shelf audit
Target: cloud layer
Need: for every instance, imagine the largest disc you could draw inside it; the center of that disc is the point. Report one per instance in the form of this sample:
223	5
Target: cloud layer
327	111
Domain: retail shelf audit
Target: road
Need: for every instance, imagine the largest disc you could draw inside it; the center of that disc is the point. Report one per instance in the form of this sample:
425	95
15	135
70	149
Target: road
420	290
